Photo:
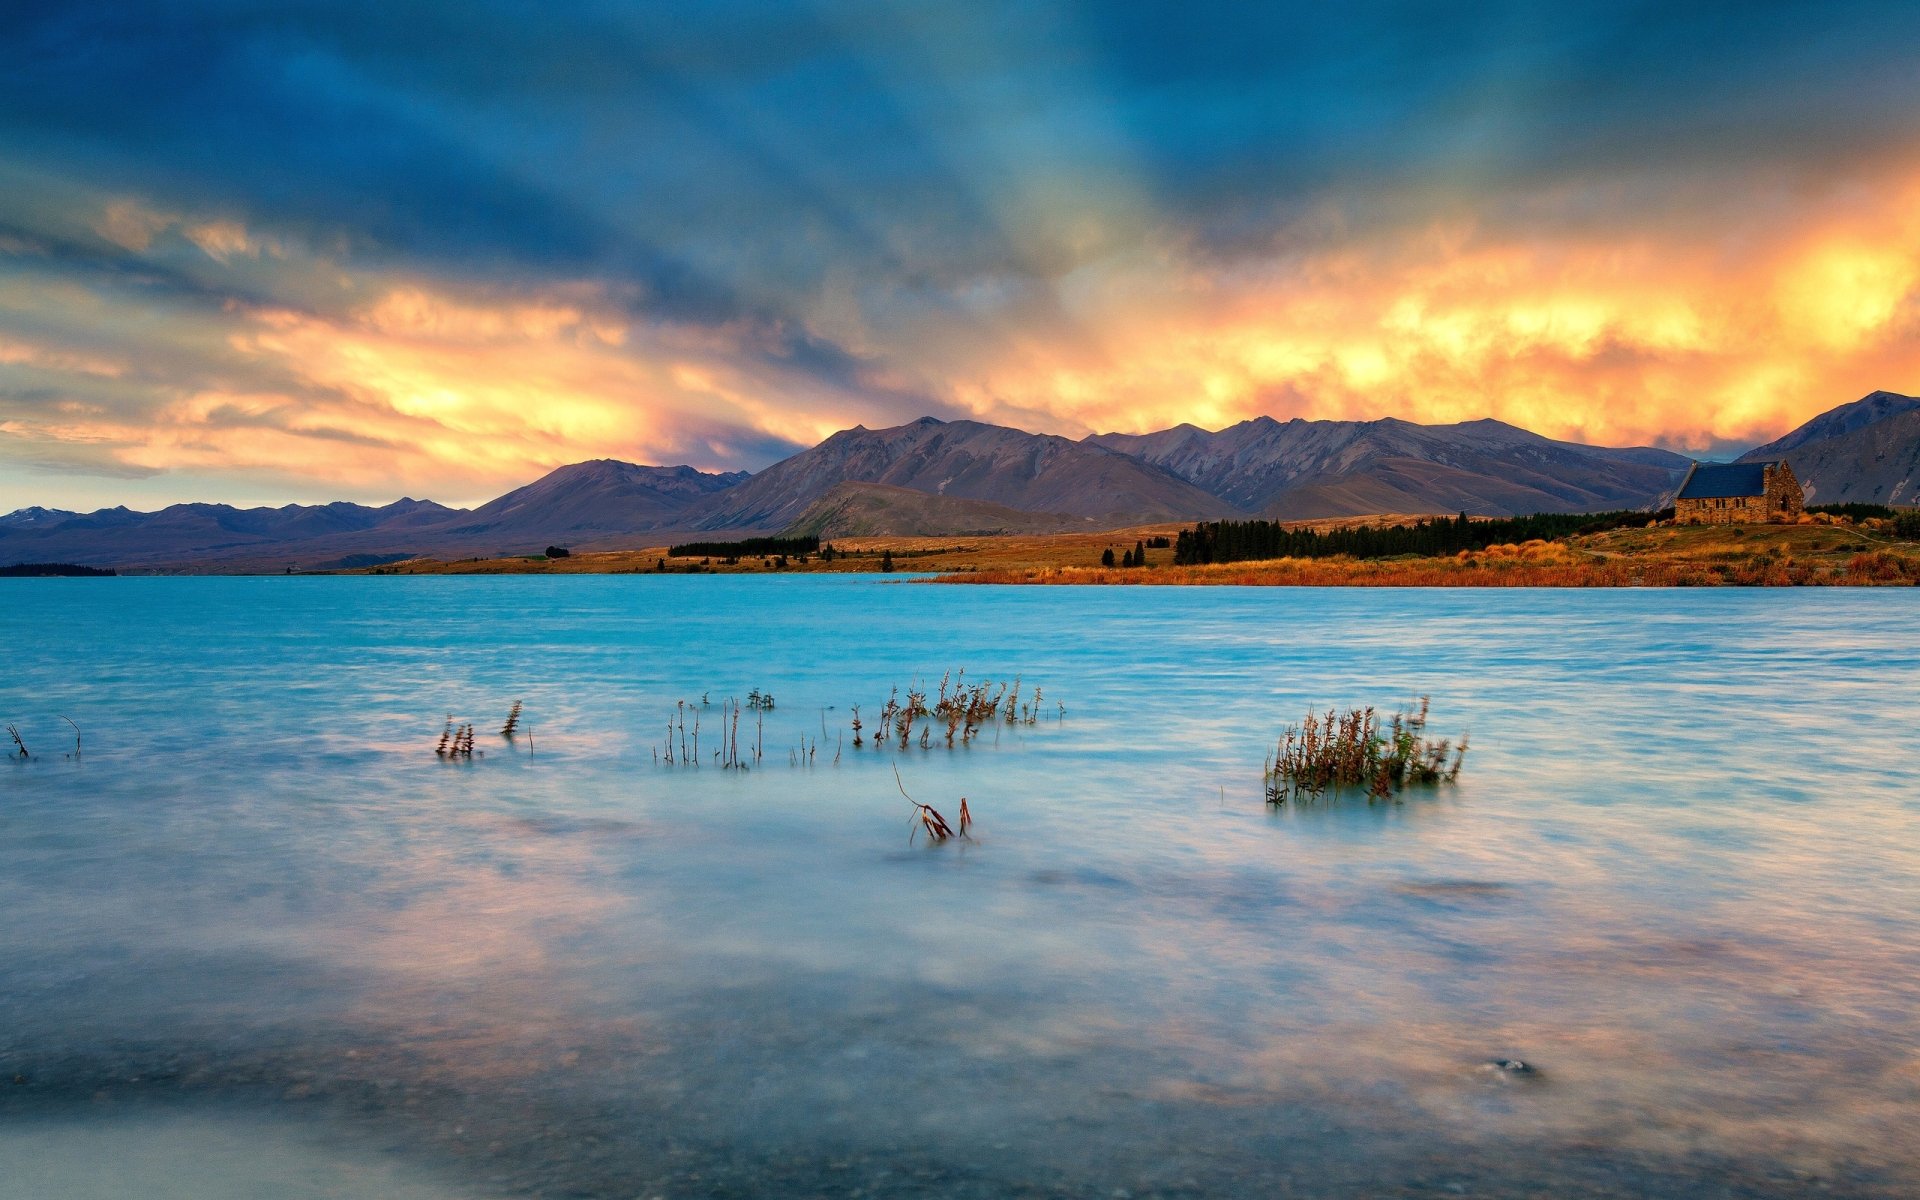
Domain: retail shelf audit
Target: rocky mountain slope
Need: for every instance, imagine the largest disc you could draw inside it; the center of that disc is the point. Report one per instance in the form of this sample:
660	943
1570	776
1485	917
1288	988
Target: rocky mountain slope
1302	469
1866	452
969	461
585	500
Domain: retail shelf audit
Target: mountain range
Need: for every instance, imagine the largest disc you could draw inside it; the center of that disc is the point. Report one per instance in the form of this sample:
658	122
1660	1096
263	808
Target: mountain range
1297	470
932	477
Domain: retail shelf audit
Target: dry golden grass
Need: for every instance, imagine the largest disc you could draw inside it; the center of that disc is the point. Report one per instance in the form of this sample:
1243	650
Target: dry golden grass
858	554
1689	556
1663	556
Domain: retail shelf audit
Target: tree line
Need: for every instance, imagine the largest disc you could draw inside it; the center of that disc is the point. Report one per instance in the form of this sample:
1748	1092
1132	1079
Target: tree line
760	547
1244	541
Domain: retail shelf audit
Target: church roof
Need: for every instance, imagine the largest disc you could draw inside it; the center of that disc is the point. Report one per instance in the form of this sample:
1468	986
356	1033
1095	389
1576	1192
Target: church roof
1711	481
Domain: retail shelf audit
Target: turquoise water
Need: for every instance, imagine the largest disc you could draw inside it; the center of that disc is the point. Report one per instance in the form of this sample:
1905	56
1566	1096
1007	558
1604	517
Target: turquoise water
1680	877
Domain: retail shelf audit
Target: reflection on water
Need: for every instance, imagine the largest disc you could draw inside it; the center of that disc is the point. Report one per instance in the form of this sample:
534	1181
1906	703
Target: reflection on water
1678	879
171	1156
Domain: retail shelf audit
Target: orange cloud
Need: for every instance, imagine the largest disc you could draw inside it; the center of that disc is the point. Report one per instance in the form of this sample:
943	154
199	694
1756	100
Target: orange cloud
431	393
1731	325
1652	336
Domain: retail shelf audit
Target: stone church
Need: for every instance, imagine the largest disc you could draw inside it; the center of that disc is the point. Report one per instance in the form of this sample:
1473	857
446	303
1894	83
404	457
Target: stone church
1726	493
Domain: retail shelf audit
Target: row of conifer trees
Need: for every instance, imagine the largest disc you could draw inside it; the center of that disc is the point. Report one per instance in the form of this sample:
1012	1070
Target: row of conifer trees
1243	541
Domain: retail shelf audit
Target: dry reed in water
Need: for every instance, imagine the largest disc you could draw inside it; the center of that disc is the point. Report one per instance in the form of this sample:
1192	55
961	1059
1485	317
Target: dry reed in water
1335	750
927	817
456	741
959	712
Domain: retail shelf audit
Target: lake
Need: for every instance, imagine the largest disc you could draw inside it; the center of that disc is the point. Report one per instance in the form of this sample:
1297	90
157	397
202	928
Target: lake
260	940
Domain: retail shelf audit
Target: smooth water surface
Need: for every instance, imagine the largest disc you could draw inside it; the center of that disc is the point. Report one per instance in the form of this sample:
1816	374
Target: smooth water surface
1680	877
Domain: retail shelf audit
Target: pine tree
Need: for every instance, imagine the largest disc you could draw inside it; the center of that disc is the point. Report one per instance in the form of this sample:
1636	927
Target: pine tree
1139	554
1106	557
886	560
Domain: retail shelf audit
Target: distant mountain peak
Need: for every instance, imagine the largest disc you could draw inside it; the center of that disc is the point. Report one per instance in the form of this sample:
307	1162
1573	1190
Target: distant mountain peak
964	460
1869	409
35	517
1866	451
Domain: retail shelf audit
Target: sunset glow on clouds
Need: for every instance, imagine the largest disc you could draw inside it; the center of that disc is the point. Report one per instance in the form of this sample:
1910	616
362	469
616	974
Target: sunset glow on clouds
388	270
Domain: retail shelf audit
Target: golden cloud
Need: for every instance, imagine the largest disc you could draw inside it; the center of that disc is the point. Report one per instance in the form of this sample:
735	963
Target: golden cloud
1652	334
1653	337
434	393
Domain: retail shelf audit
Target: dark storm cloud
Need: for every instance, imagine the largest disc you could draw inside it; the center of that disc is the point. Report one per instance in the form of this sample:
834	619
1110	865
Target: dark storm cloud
721	155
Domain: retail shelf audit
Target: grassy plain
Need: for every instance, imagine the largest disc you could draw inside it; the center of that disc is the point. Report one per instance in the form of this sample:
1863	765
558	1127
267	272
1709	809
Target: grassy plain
1700	556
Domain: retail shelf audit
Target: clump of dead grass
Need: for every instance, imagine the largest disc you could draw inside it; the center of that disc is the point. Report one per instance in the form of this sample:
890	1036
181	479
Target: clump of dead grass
1352	750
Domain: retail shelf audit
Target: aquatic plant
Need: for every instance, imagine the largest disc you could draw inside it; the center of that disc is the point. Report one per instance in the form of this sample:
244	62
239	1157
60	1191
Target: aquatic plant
456	741
513	721
1337	750
959	711
681	746
13	731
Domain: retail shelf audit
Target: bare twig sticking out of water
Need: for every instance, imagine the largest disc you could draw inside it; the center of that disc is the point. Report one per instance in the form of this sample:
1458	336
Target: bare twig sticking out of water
76	735
802	754
926	817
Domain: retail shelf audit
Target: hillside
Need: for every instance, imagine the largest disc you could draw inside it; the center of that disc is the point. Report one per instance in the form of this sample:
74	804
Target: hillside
878	510
592	499
1870	409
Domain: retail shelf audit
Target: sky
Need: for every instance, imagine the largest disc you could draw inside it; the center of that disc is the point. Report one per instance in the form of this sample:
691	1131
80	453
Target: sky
303	251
